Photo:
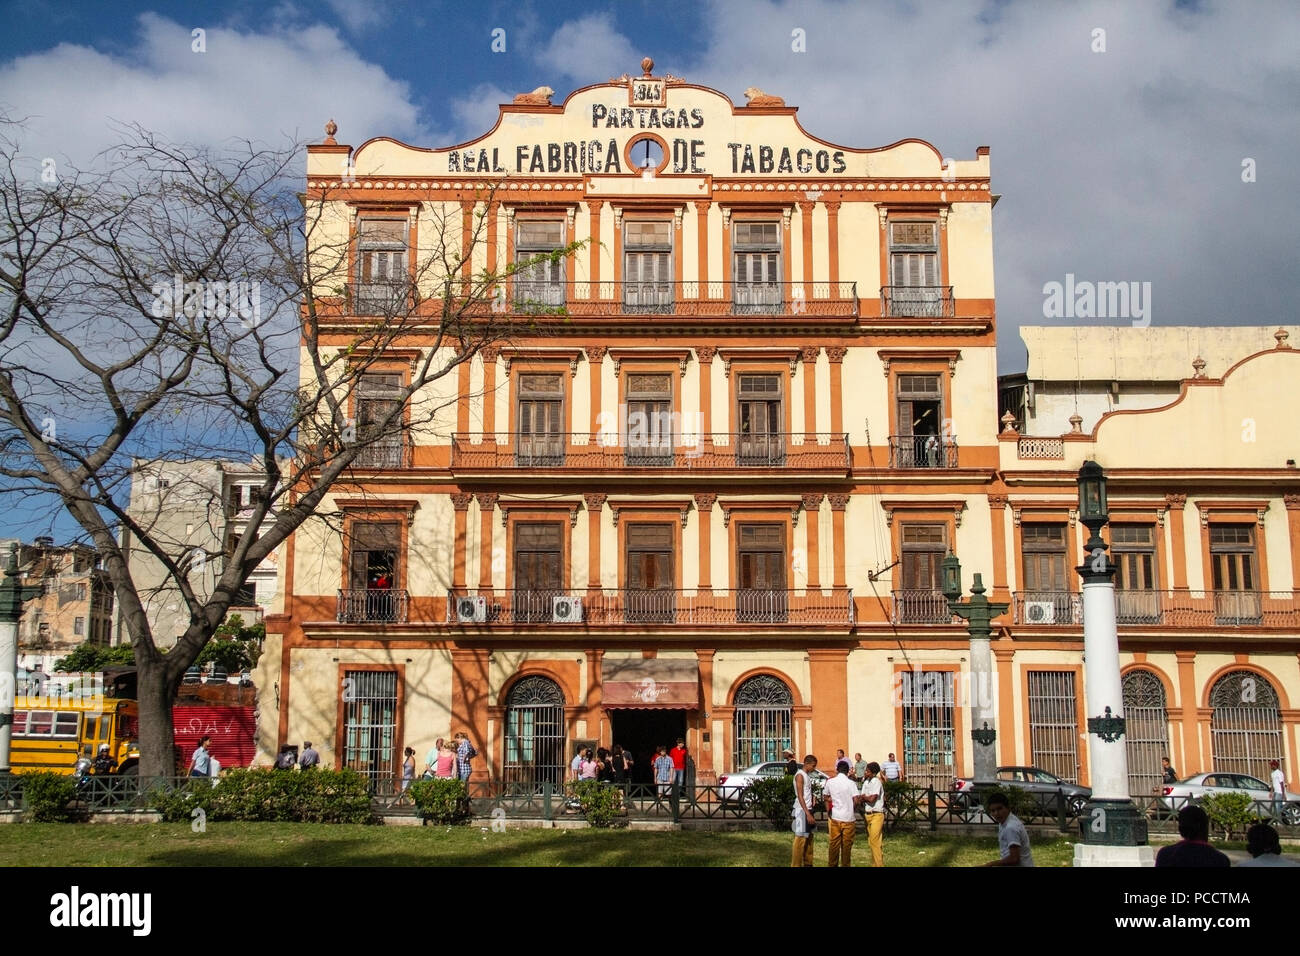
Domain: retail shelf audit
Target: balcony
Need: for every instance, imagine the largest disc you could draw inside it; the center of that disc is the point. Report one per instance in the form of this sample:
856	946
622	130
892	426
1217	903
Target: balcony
372	606
378	298
646	606
394	452
609	452
1031	448
922	451
1187	609
920	606
688	298
917	301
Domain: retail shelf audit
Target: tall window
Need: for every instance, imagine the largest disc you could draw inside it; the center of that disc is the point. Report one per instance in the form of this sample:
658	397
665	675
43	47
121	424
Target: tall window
762	719
539	568
650	595
1234	574
370	723
379	395
535	752
921	601
648	267
1136	595
1245	724
540	285
920	442
761	596
1146	730
649	422
373	572
1053	728
540	417
382	266
762	421
914	270
756	251
1046	596
928	703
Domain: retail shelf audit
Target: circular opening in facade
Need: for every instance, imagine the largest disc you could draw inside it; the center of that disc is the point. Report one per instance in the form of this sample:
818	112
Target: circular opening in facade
646	152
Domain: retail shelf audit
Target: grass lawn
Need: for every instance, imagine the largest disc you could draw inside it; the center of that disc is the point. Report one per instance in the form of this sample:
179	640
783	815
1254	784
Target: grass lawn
302	844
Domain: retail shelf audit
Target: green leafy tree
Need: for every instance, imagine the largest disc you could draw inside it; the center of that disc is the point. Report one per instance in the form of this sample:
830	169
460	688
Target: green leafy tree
95	657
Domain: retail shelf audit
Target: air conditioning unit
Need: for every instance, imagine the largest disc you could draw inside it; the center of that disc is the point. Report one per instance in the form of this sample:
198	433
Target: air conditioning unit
471	610
1040	612
566	610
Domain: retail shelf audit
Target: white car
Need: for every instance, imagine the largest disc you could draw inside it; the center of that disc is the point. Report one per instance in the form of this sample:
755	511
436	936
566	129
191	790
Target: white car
734	787
1199	786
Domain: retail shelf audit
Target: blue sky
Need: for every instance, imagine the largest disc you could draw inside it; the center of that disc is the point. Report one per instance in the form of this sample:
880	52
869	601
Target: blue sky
1115	165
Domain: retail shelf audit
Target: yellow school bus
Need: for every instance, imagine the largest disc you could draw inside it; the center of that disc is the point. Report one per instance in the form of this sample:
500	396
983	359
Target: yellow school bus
50	733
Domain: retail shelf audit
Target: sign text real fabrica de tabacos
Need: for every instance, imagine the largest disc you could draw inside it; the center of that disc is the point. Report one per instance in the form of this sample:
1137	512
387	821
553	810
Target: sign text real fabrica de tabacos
604	156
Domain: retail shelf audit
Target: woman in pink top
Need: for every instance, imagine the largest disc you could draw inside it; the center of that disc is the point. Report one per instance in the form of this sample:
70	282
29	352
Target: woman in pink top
588	771
446	763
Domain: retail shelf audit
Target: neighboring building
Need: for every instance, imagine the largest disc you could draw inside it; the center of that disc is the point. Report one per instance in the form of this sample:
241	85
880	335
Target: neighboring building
76	603
710	500
196	509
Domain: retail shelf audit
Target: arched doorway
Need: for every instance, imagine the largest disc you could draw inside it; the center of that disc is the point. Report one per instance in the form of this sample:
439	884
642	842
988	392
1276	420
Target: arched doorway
1146	731
1245	724
762	720
535	751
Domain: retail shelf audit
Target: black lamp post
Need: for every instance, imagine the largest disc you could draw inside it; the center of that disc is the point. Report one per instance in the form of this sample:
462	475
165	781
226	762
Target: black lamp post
978	614
12	596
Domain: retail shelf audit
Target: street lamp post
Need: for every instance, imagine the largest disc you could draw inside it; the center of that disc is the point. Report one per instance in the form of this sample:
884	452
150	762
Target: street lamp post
1114	830
12	596
978	612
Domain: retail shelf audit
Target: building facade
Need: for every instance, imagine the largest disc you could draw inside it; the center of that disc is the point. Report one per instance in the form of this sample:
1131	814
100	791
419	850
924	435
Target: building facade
705	493
75	604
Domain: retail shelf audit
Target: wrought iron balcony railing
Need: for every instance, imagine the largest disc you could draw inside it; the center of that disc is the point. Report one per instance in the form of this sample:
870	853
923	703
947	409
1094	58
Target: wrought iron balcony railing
394	452
922	451
372	606
379	298
686	298
584	451
917	301
1189	609
920	606
682	607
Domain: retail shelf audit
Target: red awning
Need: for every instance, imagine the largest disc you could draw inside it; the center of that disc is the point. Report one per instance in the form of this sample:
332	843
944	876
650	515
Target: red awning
650	684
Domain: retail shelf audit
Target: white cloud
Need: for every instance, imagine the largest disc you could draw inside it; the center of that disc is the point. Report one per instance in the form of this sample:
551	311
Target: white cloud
588	50
360	15
261	87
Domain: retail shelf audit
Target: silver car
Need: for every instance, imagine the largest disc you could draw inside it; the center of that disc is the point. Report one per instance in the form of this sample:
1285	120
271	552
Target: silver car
1030	779
734	787
1199	786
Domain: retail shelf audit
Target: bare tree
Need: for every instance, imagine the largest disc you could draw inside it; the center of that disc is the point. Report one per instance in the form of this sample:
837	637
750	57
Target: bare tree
183	302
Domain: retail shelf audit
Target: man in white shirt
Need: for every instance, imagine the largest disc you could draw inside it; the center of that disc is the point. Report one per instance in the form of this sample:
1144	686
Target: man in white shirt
1278	786
804	825
1013	838
893	769
873	806
575	766
843	798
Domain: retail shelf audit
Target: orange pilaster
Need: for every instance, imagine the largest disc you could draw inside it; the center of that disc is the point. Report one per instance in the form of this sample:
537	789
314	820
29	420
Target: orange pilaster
487	504
835	355
838	504
809	353
829	672
812	510
704	509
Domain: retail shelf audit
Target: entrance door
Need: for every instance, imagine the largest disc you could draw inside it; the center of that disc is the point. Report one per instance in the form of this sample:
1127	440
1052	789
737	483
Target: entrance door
641	731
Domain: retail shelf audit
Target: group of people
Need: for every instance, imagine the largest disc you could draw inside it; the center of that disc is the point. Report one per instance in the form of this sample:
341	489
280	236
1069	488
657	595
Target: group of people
607	766
851	789
448	759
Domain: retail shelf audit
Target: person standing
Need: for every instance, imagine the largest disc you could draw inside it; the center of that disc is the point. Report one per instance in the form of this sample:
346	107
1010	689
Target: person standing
859	768
842	797
1265	847
1013	838
310	758
1194	848
445	767
431	759
1167	772
588	767
801	854
791	765
201	760
893	769
575	766
841	759
1277	781
465	752
678	754
408	769
873	807
619	764
663	767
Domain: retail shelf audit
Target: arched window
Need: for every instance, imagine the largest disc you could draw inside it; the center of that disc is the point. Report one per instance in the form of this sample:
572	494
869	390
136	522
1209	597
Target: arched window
763	717
535	732
1146	731
1245	724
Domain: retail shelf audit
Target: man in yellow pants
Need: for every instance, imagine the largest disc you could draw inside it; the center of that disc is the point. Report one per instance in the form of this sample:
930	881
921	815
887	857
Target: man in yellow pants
842	799
873	806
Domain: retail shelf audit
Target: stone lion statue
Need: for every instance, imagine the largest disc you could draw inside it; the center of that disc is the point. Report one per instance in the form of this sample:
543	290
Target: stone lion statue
757	97
538	97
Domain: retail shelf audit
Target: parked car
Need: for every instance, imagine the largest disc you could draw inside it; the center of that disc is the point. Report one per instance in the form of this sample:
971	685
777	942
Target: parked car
734	787
1199	786
1030	779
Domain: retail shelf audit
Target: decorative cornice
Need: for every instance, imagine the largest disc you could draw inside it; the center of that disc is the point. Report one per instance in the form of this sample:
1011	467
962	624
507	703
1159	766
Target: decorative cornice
888	356
487	501
809	353
704	503
1210	508
730	355
621	355
955	505
409	505
596	353
594	502
769	506
508	506
513	354
682	506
